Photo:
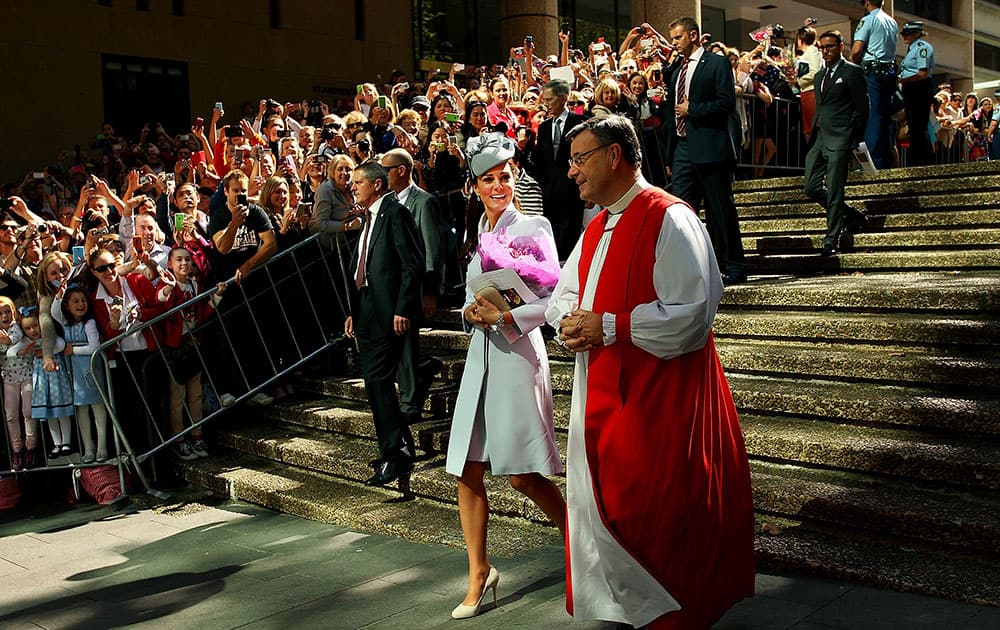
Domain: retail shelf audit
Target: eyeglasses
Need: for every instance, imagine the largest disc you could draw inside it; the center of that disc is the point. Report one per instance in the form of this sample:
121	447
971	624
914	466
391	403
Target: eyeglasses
575	103
580	158
828	46
103	268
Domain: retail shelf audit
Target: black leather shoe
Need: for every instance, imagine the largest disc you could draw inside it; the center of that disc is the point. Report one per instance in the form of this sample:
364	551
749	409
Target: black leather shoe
729	279
856	222
827	251
389	472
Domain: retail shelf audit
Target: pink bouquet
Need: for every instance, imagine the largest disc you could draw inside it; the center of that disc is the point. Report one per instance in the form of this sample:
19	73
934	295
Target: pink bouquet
534	259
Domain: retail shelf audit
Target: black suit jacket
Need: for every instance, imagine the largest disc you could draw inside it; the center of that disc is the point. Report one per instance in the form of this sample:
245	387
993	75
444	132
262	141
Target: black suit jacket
395	266
841	107
711	101
552	167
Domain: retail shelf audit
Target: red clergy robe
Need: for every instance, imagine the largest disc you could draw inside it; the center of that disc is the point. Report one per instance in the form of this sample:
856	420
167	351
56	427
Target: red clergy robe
664	445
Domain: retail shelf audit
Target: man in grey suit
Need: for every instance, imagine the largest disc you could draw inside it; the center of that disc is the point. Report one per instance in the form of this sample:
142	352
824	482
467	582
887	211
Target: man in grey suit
838	127
414	374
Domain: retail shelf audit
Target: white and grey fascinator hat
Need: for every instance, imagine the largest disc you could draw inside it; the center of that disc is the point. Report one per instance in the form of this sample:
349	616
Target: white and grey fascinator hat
488	150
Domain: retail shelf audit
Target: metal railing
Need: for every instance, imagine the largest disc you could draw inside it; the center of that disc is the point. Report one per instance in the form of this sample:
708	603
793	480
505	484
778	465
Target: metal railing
780	135
293	308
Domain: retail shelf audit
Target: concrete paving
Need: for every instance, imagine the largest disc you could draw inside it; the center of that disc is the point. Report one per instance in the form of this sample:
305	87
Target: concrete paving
200	562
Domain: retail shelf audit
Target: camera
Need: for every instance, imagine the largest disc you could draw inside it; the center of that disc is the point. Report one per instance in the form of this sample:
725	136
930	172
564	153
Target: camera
41	228
327	133
233	131
6	204
642	30
364	146
284	133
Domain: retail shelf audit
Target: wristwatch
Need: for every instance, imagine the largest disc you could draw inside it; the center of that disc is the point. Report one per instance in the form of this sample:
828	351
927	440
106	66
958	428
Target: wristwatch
496	326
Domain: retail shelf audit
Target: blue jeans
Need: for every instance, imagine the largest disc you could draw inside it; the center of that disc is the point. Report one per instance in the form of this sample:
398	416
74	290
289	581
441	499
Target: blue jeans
878	131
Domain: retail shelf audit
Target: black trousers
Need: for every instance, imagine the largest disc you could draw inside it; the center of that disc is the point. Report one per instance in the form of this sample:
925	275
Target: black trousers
917	100
713	184
380	357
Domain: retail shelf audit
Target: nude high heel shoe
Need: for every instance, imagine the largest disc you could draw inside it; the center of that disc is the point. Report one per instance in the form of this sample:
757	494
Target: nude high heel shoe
463	611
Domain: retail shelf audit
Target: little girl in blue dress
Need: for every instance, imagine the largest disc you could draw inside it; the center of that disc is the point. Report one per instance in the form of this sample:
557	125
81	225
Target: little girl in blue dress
72	310
51	390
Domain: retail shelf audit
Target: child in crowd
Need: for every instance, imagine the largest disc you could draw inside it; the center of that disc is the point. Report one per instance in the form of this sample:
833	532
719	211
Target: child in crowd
16	372
51	392
72	309
178	342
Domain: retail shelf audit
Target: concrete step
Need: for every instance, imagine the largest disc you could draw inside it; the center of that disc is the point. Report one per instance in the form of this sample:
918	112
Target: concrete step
970	462
329	499
348	458
880	505
910	508
882	562
901	190
894	365
859	261
965	209
983	239
892	223
857	178
861	403
920	291
850	328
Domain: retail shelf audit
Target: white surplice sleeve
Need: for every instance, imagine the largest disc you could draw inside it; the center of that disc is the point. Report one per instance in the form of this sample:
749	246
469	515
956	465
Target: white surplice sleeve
565	297
688	287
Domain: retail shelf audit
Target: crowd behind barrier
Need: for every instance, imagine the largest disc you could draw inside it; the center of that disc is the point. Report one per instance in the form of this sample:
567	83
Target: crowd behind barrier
118	246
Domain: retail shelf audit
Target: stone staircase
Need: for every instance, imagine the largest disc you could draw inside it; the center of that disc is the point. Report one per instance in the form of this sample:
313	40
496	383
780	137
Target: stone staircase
870	399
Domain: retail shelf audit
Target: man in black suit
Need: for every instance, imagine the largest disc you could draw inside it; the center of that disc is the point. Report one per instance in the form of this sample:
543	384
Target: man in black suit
700	150
560	196
838	127
388	266
426	212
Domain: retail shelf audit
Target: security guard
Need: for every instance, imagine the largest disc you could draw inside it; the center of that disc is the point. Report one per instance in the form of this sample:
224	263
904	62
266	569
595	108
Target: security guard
915	79
874	49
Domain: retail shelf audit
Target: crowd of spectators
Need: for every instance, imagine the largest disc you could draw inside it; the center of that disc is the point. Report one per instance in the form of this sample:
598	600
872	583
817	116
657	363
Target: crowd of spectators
117	231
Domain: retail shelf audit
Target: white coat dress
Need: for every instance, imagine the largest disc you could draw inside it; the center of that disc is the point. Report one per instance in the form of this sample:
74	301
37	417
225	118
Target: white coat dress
510	380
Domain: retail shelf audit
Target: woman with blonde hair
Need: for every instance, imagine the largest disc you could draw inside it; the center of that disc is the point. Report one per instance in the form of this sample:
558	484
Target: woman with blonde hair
607	99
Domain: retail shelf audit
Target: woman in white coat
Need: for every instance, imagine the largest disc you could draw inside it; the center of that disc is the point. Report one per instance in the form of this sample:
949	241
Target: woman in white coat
503	416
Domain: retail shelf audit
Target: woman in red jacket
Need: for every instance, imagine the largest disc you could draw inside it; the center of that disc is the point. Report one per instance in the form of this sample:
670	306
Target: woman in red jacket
121	303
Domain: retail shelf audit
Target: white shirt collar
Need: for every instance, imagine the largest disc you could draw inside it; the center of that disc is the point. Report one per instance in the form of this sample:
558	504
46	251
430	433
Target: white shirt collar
623	202
404	194
696	55
373	210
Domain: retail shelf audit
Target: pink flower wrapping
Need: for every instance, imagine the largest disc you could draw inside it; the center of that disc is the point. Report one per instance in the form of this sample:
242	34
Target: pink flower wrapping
534	259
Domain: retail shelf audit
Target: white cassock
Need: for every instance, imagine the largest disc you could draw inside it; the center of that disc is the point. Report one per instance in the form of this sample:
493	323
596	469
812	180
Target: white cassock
607	582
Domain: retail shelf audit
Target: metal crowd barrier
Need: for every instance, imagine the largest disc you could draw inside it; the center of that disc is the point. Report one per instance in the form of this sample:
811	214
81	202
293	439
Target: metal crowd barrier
287	335
783	127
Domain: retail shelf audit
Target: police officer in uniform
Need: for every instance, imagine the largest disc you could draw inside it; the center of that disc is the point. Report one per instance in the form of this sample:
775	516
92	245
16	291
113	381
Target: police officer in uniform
915	79
874	49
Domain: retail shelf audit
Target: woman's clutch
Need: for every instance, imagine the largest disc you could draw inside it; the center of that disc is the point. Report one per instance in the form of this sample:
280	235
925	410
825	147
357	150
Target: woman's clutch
494	297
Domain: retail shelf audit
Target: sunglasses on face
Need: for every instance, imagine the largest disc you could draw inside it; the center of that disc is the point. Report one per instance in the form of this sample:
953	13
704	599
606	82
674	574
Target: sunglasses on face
103	268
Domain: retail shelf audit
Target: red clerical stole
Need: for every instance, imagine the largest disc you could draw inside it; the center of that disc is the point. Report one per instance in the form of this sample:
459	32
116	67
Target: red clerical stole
664	444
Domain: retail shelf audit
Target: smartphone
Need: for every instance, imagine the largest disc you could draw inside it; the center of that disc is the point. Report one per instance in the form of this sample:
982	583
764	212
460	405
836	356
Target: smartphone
452	141
382	101
199	121
529	39
233	131
237	156
360	87
289	163
657	75
218	106
197	158
304	210
38	175
452	117
179	222
242	199
116	147
78	255
654	92
137	243
458	68
185	137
